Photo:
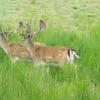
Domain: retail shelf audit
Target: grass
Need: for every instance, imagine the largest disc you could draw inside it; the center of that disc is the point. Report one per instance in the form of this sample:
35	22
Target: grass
71	23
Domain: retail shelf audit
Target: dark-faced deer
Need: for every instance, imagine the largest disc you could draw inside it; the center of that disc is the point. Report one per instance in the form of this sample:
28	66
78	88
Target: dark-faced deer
48	54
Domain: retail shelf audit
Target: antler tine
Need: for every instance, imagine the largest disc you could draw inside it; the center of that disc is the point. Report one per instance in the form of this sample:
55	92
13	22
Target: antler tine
42	25
22	34
20	25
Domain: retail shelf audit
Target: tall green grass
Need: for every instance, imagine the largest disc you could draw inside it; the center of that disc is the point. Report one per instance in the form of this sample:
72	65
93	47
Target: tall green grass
68	26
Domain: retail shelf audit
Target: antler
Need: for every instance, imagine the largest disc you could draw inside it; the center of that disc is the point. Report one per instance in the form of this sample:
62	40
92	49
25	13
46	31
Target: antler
28	32
42	27
20	25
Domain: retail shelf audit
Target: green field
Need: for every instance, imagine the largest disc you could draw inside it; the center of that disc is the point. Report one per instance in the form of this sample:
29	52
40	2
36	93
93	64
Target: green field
70	23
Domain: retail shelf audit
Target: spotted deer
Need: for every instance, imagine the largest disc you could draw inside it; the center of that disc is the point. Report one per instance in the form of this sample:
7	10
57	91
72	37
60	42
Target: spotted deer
16	51
47	54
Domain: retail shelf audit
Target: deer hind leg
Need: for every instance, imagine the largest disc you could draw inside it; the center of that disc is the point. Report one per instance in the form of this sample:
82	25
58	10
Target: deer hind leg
75	67
70	59
13	59
37	64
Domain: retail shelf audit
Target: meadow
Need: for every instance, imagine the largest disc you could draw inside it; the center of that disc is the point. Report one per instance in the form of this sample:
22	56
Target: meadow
70	23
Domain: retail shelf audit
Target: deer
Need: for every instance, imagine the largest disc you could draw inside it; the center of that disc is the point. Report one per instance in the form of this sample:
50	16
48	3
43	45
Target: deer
57	55
16	51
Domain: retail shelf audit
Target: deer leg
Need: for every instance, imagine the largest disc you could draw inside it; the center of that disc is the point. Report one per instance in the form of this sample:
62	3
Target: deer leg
75	67
37	64
47	70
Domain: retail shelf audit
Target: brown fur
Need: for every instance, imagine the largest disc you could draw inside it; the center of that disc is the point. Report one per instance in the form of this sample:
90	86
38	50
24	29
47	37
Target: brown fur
46	54
15	50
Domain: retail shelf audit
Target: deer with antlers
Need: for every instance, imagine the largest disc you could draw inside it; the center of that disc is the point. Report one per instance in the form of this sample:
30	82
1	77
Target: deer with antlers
47	54
16	51
57	55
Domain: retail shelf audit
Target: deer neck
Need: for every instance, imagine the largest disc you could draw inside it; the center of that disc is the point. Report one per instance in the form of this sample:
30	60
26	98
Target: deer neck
30	47
4	44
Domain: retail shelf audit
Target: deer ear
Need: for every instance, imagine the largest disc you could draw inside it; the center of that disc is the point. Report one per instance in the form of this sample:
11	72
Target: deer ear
42	25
